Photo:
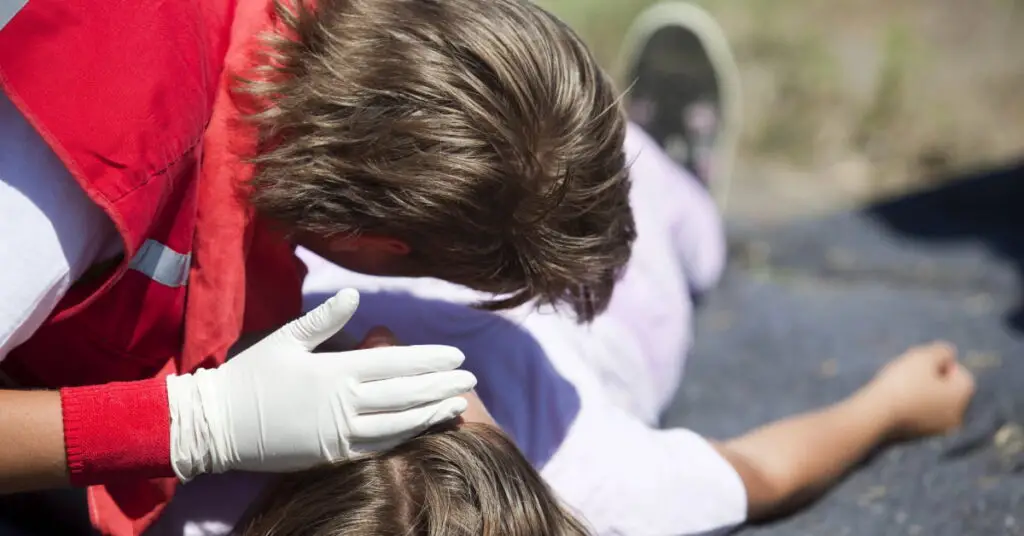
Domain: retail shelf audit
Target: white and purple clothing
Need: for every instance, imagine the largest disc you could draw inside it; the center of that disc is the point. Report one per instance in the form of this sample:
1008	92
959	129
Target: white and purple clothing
580	401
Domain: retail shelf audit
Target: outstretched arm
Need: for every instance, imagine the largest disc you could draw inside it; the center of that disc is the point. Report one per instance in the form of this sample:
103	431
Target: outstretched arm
785	463
51	233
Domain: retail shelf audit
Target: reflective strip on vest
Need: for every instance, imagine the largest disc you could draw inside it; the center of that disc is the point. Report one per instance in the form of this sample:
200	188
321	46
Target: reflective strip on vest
8	9
162	264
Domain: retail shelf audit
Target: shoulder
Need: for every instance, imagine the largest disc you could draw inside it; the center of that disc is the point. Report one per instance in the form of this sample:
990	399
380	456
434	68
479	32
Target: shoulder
532	400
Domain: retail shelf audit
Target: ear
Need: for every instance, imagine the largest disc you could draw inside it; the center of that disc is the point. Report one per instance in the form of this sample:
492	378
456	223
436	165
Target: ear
384	244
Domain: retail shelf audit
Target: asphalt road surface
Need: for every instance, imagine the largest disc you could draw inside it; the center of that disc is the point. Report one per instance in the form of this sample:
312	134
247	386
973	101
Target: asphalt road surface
808	311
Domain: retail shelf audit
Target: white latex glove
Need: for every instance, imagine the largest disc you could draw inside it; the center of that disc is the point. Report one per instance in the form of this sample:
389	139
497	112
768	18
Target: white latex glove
278	407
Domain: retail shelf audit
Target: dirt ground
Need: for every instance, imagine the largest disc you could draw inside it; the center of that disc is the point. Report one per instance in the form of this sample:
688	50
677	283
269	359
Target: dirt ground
847	101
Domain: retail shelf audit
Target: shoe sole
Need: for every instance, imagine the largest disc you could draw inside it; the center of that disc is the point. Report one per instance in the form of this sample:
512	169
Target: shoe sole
716	45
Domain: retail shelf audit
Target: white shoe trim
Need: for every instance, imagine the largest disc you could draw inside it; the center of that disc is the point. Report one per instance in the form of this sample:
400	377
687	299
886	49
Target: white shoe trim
703	25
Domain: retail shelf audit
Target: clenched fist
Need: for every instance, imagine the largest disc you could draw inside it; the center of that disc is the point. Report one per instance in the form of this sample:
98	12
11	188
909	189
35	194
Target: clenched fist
926	390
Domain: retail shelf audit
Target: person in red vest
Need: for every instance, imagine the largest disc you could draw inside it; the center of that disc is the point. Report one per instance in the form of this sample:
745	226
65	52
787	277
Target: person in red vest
159	161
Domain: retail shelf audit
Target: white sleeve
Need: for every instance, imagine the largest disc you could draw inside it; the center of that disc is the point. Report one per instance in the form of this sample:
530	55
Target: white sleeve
625	477
50	231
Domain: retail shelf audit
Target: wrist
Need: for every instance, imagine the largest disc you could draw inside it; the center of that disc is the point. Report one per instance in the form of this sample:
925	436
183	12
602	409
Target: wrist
199	442
875	405
115	431
188	453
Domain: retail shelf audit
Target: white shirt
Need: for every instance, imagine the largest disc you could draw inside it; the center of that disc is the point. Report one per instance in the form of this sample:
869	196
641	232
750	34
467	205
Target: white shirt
50	231
536	377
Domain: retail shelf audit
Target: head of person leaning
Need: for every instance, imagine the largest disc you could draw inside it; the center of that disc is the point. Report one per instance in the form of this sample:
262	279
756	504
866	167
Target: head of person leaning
473	141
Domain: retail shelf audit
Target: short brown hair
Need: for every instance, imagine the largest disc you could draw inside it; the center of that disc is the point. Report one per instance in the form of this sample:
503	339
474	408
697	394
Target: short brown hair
481	132
466	481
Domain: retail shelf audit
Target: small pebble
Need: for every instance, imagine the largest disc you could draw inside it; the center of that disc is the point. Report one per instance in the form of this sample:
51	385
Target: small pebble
1010	440
840	259
977	361
829	368
720	321
871	495
979	305
987	482
758	252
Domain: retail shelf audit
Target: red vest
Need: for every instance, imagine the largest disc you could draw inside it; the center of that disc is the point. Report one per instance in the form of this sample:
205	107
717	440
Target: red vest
133	97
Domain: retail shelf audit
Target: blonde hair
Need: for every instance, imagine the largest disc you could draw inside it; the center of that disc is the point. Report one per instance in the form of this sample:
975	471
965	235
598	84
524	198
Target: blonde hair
465	481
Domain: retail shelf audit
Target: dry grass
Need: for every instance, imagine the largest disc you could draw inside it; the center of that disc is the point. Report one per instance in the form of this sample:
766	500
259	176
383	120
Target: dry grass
849	100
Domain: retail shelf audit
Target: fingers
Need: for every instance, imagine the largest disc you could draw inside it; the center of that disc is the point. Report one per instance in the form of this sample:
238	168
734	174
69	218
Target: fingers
960	388
944	355
399	394
397	361
318	325
941	349
940	356
938	351
962	381
389	429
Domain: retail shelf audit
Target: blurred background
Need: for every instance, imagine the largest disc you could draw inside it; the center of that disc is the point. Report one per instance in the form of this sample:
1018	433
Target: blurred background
876	203
852	101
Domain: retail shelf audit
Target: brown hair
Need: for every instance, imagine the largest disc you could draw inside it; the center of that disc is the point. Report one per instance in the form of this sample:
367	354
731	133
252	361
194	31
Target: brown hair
480	132
468	481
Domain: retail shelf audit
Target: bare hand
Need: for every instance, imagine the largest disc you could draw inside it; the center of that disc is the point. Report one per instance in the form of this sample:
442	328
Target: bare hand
926	390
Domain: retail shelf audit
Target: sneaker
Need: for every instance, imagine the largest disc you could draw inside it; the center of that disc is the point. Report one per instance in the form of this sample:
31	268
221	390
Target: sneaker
683	89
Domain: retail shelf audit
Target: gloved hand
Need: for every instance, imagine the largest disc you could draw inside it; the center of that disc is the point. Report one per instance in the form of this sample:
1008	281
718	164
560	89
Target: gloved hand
278	407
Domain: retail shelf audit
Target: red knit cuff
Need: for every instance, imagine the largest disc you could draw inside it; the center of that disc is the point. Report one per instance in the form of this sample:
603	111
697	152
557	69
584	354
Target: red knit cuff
117	431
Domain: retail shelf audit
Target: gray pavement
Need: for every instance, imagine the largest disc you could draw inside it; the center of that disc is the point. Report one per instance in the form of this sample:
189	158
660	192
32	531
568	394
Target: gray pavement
809	310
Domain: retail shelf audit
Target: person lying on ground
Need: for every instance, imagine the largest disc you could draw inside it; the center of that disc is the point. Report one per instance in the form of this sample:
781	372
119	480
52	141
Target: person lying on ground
582	401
